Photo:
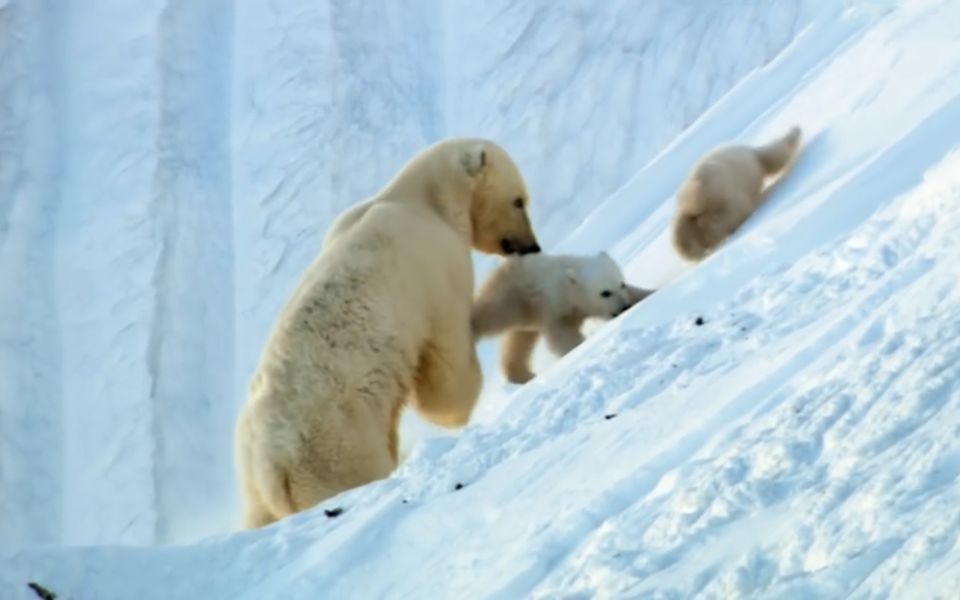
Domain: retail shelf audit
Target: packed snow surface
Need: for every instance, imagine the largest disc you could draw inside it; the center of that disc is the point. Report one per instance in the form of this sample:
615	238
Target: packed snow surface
779	421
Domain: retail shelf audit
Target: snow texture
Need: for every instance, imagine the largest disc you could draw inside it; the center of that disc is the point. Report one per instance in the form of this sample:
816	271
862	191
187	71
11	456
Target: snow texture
779	421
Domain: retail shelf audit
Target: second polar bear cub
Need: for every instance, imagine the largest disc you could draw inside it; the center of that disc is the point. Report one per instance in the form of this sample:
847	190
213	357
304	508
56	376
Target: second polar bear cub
724	189
551	295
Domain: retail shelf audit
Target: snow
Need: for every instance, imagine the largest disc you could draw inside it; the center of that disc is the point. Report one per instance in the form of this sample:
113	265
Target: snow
801	442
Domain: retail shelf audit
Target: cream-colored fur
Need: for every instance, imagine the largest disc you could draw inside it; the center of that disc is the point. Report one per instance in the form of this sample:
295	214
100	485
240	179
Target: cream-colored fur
345	221
381	317
724	189
550	295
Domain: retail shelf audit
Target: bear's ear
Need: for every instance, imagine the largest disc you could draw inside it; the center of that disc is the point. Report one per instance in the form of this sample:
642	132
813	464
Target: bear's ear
474	159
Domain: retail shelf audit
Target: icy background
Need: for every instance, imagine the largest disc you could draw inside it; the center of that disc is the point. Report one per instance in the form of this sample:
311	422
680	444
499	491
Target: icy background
168	169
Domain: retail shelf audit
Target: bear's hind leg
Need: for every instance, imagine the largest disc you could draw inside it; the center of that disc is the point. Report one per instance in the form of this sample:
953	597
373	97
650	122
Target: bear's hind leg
251	475
515	354
312	485
330	463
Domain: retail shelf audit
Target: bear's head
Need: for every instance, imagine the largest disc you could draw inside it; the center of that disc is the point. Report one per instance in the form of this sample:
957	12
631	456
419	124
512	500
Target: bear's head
598	289
696	236
500	204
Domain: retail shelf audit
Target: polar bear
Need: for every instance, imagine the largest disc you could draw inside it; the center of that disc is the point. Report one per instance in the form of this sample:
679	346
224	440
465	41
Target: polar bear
381	318
548	294
723	190
345	220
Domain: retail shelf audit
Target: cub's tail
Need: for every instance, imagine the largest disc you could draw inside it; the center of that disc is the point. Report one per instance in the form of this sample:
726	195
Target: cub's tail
776	155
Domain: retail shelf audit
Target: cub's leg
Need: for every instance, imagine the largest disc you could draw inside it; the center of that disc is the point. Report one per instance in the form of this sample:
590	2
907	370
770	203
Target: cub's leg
562	337
515	354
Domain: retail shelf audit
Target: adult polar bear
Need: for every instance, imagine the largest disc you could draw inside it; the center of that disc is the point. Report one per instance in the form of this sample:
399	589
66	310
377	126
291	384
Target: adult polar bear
380	318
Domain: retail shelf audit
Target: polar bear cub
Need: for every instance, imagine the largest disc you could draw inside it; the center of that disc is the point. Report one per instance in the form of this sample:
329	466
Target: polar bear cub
724	189
550	295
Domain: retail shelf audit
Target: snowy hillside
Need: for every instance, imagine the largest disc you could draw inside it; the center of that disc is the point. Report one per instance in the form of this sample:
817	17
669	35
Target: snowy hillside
168	168
802	439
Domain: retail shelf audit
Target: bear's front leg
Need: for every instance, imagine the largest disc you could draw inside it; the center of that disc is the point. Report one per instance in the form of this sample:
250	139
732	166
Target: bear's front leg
448	379
515	355
562	337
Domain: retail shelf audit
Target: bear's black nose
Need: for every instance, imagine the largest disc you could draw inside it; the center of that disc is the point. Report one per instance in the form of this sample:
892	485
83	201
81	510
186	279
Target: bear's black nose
507	246
534	249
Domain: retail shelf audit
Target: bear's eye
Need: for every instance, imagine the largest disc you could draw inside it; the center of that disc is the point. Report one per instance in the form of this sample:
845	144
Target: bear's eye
623	286
606	293
518	203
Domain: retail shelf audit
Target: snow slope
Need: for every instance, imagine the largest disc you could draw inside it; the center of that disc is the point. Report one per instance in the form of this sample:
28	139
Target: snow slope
168	168
801	442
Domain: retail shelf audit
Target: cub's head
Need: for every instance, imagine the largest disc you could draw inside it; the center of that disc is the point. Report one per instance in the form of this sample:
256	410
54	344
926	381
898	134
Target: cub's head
499	210
598	287
696	236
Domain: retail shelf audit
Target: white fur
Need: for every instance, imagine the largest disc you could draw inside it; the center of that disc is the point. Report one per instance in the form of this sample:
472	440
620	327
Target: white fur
550	295
724	189
381	318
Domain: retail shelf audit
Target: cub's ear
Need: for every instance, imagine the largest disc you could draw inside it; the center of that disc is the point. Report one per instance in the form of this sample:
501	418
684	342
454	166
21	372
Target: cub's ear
473	159
603	254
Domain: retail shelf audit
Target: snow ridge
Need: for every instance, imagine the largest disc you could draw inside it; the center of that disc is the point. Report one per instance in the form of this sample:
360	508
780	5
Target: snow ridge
30	415
191	341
